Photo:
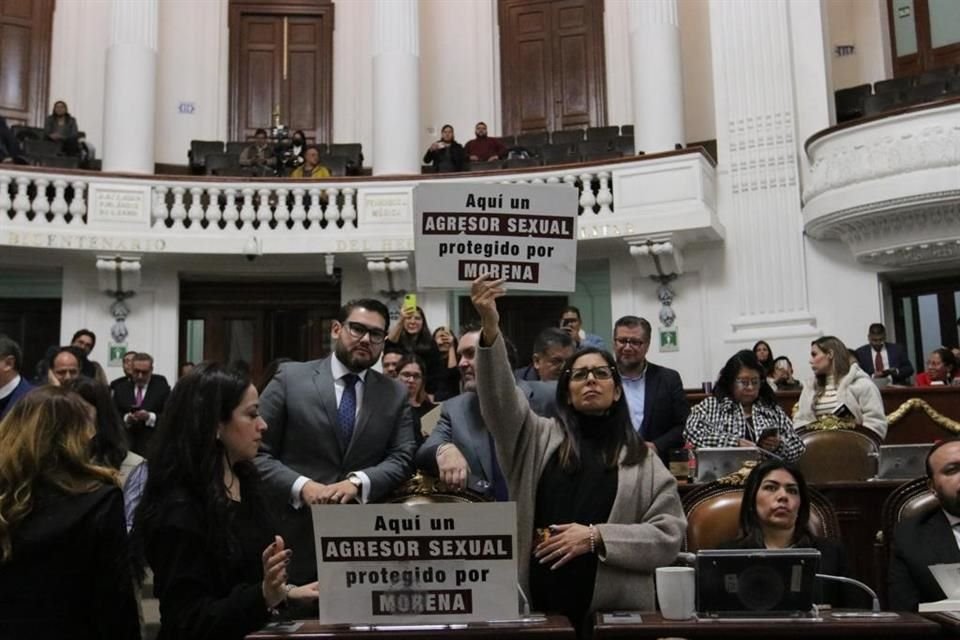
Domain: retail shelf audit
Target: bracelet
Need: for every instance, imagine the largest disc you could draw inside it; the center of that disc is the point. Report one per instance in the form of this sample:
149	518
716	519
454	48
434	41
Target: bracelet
287	588
593	539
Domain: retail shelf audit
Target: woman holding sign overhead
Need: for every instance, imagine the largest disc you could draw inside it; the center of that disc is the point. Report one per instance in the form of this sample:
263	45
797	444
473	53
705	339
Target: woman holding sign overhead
596	513
412	335
218	568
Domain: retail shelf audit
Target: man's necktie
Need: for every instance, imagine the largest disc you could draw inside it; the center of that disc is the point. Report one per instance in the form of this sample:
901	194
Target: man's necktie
347	411
139	397
877	363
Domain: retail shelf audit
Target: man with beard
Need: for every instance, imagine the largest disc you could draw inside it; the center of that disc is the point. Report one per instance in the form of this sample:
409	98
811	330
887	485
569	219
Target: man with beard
86	340
338	431
930	538
484	148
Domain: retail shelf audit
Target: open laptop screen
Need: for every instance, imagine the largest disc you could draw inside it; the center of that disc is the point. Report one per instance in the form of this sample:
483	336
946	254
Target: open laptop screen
756	583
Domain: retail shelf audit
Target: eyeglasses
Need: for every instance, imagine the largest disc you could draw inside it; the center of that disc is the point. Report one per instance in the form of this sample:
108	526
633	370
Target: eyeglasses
410	375
599	373
633	342
357	330
745	383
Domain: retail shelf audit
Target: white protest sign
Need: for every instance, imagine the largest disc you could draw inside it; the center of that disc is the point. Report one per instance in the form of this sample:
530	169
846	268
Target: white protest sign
524	233
424	563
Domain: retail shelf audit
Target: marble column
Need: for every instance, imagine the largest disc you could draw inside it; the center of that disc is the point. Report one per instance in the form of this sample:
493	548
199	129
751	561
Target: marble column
130	87
655	75
758	190
396	87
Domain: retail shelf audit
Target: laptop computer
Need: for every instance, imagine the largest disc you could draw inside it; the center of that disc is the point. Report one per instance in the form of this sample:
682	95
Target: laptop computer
903	461
756	583
717	462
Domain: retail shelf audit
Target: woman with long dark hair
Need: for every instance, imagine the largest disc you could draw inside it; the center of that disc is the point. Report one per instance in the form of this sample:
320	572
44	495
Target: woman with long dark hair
412	334
839	387
743	412
941	369
201	525
64	570
62	127
775	514
596	512
764	354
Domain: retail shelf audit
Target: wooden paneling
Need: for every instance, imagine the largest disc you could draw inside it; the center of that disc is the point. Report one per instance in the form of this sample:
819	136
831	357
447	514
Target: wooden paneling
34	323
25	27
927	58
552	64
281	54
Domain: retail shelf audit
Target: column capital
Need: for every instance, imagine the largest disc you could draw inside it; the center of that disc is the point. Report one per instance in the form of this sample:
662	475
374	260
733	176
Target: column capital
647	12
134	22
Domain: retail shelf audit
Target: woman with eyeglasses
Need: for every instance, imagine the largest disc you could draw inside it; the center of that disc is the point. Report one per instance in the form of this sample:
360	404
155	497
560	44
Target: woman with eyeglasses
412	334
596	512
743	412
839	388
411	370
941	369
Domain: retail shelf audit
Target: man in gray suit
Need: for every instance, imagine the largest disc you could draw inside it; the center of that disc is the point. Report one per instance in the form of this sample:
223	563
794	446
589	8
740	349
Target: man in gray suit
338	432
459	450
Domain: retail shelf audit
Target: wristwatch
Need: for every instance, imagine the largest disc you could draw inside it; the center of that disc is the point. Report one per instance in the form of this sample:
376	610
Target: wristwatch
356	481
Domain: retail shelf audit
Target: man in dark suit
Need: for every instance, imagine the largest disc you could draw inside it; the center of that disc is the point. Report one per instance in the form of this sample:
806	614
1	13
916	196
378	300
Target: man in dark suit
338	431
127	370
13	386
658	406
931	538
551	350
460	450
140	401
882	359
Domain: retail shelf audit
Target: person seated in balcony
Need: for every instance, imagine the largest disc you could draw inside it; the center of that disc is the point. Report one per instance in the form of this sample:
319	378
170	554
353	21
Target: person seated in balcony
298	147
839	388
446	154
9	145
483	148
765	355
258	155
885	361
62	127
941	369
782	377
775	514
311	167
743	412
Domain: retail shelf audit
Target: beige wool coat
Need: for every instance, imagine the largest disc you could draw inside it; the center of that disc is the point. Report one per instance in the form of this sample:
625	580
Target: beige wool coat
646	524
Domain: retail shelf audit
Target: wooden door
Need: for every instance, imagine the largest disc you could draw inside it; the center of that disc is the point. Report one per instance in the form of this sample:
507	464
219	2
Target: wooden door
924	35
25	27
552	64
34	323
281	61
516	321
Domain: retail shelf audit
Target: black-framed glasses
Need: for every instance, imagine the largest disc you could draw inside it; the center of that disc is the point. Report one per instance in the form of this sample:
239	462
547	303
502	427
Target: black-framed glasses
357	330
633	342
599	373
745	383
411	375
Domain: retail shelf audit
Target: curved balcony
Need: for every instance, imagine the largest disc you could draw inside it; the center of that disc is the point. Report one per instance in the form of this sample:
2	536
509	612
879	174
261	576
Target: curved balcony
663	197
889	186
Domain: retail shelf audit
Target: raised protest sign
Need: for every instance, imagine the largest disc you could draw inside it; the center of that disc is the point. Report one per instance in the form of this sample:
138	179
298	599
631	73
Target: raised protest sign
424	563
524	233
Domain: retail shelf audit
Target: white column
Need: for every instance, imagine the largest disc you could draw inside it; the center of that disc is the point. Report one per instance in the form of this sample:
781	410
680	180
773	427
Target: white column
758	186
656	75
130	87
396	87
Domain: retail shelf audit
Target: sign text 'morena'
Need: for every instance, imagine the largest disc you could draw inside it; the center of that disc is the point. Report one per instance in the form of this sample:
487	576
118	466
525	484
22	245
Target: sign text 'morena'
498	224
354	549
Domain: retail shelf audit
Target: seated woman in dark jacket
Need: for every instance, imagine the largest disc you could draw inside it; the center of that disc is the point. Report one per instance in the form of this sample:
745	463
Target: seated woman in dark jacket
64	570
218	569
62	127
775	514
446	154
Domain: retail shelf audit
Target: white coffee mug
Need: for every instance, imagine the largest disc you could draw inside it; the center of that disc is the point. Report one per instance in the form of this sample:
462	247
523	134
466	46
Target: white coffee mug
676	592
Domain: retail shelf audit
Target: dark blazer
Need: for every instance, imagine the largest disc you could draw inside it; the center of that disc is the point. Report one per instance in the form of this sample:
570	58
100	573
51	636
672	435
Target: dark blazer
665	409
302	439
461	423
918	543
18	392
898	360
450	158
124	397
69	576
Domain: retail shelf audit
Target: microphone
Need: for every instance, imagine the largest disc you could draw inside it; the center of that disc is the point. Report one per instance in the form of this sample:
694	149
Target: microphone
525	609
874	613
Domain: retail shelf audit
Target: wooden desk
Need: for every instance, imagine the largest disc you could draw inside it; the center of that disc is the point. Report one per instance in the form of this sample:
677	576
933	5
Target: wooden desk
949	625
555	627
908	625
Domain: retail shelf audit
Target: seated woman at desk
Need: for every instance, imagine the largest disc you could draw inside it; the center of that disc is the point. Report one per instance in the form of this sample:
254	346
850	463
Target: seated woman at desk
597	513
941	369
839	388
743	412
775	514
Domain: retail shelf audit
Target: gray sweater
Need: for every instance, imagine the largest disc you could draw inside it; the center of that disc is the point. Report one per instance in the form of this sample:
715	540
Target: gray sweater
646	525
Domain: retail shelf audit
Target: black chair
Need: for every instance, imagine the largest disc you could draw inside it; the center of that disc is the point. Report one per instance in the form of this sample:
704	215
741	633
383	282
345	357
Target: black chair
237	148
849	102
894	85
953	87
337	165
199	149
481	165
626	130
594	147
508	140
22	132
603	155
519	163
943	74
217	162
556	154
352	151
60	162
34	147
567	137
624	144
533	140
880	102
929	92
602	133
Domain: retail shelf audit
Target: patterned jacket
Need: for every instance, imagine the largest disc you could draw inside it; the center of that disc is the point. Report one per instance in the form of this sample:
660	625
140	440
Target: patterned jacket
719	422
